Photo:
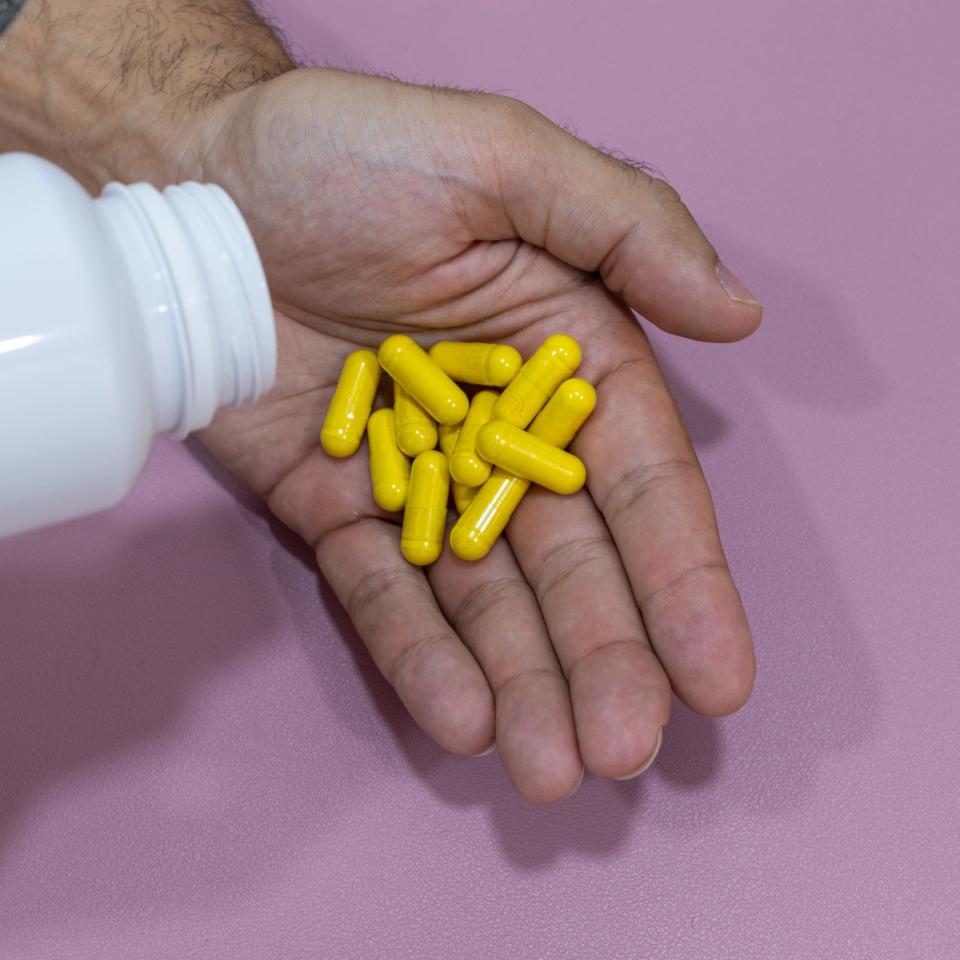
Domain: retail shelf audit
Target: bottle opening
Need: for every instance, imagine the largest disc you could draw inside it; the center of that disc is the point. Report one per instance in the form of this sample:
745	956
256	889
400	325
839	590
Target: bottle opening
203	296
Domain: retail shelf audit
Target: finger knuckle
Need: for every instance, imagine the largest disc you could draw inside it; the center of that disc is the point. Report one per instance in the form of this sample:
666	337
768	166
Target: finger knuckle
685	577
501	592
375	587
407	660
510	108
632	487
665	192
572	558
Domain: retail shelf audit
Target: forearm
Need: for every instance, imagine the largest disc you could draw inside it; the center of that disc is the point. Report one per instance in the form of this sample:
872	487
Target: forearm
110	88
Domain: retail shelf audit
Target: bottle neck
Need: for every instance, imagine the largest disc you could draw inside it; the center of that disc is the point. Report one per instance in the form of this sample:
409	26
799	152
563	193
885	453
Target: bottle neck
202	298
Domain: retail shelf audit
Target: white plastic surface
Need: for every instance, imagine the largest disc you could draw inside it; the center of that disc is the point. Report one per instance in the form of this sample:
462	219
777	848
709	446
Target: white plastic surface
120	317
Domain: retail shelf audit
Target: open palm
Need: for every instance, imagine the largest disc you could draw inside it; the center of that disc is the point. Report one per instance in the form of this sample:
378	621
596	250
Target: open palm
381	207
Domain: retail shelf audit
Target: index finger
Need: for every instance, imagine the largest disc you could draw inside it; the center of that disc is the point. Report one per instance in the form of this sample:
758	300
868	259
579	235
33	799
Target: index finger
393	608
644	476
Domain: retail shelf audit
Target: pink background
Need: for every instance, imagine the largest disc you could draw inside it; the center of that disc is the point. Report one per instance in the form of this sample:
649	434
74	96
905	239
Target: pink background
197	759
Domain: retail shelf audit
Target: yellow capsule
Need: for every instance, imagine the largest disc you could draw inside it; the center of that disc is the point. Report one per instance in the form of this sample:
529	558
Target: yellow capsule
448	438
408	363
462	495
565	412
487	515
491	508
389	468
351	404
466	466
487	364
424	518
416	431
556	358
529	457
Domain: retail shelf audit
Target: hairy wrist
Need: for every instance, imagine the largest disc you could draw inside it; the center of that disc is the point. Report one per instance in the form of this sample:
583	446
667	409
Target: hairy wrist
113	89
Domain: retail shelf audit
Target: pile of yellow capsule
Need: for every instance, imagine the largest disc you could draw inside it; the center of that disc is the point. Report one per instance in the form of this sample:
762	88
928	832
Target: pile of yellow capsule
492	447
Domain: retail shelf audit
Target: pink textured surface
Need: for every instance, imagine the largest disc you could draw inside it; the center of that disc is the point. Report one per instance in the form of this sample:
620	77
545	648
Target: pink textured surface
197	760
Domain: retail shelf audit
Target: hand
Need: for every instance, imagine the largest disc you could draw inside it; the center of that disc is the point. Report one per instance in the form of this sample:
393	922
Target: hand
381	207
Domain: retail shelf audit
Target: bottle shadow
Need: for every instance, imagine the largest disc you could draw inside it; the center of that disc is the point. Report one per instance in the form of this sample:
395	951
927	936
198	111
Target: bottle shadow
104	633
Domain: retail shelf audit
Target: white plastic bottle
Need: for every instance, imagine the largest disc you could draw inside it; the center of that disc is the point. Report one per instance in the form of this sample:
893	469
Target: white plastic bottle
120	317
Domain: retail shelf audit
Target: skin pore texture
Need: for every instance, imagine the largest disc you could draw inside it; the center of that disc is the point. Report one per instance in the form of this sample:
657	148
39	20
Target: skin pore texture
382	207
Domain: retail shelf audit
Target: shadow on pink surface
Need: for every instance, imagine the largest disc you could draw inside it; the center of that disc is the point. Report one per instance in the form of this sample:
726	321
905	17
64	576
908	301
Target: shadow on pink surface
817	690
98	662
805	349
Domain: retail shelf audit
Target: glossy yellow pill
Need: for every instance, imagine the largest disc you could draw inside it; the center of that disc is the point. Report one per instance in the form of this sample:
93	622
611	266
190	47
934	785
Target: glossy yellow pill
466	465
486	364
416	430
487	515
565	412
556	358
408	363
351	404
491	508
529	457
424	518
448	438
462	495
389	468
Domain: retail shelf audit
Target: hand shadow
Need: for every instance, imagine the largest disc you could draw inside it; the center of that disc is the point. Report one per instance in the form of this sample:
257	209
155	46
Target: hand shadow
806	349
817	690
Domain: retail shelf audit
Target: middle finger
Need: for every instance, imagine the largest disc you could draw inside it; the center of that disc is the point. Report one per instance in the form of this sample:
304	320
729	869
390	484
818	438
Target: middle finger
620	693
496	615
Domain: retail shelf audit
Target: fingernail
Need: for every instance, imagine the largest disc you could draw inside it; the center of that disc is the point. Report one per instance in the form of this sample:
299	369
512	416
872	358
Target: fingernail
733	285
483	753
649	760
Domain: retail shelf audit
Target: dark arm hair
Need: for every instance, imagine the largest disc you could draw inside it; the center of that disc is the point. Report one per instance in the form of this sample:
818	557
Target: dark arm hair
8	10
105	88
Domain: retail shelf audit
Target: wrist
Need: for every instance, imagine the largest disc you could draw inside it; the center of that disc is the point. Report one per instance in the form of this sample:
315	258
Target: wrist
119	90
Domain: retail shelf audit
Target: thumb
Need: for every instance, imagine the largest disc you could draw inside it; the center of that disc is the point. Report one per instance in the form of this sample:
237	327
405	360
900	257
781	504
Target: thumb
600	214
